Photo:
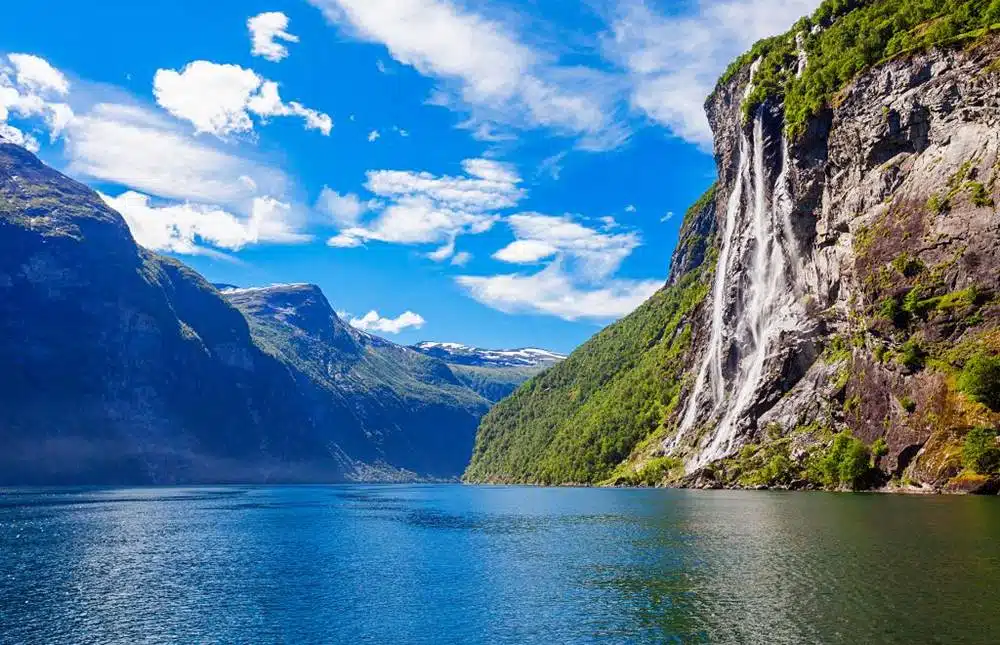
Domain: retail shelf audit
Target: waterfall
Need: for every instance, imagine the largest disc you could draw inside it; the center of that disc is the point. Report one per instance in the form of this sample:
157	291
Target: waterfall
754	298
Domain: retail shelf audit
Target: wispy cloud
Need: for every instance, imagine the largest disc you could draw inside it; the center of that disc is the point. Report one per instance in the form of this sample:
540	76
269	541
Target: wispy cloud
553	292
421	208
486	70
577	279
673	61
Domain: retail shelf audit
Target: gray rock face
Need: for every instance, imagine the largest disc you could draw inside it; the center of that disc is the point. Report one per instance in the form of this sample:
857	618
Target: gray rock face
891	191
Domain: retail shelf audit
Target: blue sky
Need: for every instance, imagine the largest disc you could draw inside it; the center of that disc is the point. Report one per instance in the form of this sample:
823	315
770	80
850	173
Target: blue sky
501	174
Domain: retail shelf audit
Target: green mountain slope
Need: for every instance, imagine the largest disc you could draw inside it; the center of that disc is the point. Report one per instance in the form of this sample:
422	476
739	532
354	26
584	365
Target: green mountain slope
578	420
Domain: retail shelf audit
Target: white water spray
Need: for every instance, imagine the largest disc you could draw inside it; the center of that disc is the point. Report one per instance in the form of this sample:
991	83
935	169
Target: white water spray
748	316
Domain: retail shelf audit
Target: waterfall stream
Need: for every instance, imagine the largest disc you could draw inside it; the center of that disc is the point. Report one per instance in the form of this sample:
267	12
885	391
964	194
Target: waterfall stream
754	298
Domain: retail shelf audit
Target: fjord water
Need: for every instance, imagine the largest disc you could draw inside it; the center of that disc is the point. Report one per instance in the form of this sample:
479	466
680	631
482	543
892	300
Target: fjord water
452	564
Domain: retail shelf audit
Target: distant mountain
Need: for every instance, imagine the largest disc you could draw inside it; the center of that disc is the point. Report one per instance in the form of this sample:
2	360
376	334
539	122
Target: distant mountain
121	366
458	354
493	373
402	407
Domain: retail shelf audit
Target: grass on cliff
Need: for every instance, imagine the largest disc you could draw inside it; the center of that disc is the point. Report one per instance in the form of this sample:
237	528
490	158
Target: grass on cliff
844	38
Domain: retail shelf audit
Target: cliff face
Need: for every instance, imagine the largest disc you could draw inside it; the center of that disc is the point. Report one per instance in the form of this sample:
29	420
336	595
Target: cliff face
847	328
856	260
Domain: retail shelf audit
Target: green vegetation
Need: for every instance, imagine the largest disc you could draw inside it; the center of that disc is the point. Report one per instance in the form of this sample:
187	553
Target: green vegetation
614	397
845	463
766	465
911	355
852	36
880	448
938	205
980	452
980	379
980	195
655	472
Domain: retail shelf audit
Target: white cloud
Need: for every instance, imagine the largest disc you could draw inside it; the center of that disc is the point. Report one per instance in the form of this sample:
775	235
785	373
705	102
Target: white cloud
373	322
630	208
577	281
590	254
345	210
345	241
421	208
31	88
10	134
525	252
552	292
373	136
488	185
486	70
461	258
136	148
443	253
265	30
673	61
669	216
186	228
37	75
400	131
217	198
219	99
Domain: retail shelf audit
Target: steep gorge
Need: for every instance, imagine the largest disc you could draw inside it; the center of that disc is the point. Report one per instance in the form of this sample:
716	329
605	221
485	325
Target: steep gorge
832	315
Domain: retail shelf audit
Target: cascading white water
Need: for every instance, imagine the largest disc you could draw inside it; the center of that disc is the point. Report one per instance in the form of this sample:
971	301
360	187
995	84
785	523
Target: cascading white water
748	316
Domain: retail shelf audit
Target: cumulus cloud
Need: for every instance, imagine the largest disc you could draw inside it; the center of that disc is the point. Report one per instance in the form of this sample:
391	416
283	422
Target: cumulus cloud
373	136
552	292
373	322
421	208
266	30
36	74
486	70
186	228
32	90
673	61
221	99
10	134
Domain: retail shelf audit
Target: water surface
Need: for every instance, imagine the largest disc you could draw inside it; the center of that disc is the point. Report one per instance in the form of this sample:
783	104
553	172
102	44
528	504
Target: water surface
452	564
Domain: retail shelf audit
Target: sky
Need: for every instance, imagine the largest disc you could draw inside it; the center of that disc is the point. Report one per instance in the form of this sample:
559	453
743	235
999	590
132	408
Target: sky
500	173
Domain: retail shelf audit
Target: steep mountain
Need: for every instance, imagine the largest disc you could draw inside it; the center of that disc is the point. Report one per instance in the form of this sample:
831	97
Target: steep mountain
493	373
832	317
402	407
122	366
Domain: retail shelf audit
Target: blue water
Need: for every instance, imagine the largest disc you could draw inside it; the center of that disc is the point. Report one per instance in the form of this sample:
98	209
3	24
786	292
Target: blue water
452	564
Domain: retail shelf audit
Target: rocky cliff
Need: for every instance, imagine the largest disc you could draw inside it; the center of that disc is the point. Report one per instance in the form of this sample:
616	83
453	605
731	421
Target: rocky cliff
122	366
832	314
